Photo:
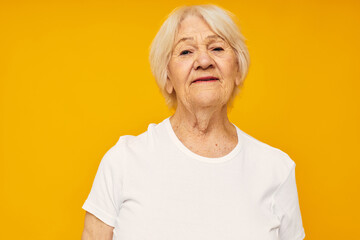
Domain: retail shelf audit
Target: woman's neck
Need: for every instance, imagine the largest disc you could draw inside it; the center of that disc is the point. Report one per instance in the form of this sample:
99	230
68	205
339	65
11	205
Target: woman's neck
202	123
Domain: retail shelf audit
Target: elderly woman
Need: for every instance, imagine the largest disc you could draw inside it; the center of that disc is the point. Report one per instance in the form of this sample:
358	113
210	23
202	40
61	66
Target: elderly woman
195	175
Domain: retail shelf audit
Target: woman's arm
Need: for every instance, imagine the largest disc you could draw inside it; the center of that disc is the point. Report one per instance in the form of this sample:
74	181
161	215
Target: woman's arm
95	229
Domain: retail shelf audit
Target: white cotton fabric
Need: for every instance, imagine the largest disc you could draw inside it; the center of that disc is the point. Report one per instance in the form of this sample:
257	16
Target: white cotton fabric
152	187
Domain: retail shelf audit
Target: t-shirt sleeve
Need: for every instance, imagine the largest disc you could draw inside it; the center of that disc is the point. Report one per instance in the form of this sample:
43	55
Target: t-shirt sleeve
104	199
287	209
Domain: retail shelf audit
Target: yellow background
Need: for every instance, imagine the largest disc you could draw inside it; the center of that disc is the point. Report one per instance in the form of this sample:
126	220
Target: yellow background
75	76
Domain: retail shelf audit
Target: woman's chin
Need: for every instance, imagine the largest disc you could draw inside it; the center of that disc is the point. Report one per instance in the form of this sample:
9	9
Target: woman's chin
207	101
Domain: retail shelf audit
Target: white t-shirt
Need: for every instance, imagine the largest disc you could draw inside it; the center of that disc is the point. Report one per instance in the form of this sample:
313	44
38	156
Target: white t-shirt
152	187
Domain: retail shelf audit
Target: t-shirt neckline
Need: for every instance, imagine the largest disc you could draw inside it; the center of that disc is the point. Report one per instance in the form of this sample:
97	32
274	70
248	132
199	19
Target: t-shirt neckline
187	151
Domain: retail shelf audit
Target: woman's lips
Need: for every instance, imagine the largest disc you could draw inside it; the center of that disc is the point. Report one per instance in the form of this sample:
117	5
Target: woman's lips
206	79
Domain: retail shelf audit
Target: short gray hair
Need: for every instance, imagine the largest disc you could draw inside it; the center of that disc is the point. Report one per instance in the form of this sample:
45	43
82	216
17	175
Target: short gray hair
219	20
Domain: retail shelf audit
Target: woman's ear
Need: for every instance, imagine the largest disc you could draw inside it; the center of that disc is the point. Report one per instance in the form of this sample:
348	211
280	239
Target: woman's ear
238	79
168	86
238	74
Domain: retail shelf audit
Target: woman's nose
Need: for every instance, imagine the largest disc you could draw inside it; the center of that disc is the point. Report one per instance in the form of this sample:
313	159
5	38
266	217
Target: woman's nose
203	60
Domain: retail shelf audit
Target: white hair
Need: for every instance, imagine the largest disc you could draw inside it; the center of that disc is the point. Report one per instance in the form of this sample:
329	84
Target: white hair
219	20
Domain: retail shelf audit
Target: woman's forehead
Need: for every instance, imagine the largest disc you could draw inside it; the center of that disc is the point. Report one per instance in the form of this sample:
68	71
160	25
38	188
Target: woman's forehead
193	24
192	28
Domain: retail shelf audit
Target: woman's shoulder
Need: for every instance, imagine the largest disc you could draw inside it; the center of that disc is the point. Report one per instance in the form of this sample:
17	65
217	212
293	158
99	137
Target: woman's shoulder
265	152
140	141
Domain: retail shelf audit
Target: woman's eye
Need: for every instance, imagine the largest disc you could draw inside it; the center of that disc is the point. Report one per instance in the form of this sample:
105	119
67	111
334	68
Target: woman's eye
218	49
185	52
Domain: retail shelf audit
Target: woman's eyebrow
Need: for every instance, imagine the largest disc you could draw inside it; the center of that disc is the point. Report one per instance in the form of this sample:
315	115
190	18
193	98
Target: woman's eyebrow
191	38
184	39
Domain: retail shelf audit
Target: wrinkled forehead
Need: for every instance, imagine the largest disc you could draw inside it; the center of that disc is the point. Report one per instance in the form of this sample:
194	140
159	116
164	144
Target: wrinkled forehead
192	27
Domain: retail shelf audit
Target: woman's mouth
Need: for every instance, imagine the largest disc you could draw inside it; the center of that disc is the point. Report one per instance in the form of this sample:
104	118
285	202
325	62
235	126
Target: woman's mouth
206	79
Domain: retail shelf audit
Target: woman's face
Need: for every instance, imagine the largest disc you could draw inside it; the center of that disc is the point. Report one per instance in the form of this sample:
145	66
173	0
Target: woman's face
200	53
